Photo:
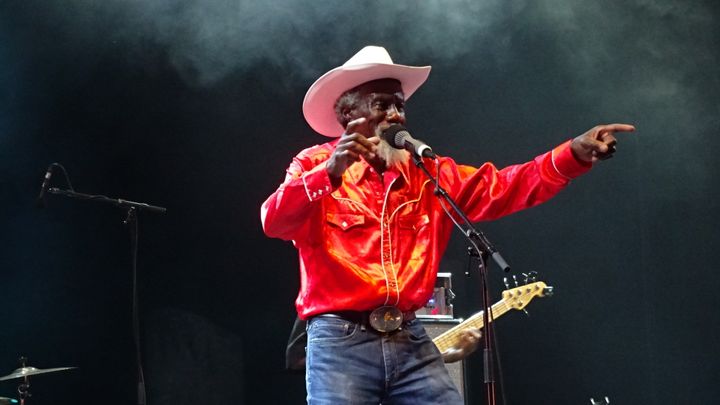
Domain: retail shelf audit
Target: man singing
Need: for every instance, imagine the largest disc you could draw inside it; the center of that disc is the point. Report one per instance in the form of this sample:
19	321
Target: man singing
370	233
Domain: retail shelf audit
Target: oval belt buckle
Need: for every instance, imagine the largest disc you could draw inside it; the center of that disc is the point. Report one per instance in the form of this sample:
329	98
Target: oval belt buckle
386	318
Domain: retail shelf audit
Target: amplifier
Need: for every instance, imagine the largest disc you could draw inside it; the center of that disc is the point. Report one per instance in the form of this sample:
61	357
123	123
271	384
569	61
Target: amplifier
434	328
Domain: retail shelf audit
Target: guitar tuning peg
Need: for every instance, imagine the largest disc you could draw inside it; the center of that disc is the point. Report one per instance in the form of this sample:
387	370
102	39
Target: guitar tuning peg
525	278
533	275
526	312
515	280
506	282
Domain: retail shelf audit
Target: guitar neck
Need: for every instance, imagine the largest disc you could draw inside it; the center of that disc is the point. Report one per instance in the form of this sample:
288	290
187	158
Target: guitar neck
449	338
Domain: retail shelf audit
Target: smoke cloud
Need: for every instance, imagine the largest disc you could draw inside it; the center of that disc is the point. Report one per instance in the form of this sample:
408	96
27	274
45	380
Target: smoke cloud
206	40
642	55
209	39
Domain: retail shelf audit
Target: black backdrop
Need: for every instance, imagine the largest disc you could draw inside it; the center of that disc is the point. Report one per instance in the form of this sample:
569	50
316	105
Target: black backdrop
195	106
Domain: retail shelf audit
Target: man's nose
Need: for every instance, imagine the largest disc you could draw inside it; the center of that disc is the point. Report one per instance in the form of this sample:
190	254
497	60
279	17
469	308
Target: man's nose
394	115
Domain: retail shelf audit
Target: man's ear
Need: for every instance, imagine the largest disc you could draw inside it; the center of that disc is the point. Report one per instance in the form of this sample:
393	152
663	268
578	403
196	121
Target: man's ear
347	113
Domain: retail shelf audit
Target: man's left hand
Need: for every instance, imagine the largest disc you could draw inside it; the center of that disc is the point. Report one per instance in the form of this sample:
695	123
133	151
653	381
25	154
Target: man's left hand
598	143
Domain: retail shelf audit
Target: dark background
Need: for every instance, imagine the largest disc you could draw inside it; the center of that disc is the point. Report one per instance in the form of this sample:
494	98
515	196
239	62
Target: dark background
196	106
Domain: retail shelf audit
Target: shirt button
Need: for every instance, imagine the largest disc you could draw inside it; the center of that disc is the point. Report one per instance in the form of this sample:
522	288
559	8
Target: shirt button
320	191
314	195
344	224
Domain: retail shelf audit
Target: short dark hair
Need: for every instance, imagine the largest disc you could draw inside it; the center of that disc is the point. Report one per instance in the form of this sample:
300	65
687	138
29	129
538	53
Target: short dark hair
348	100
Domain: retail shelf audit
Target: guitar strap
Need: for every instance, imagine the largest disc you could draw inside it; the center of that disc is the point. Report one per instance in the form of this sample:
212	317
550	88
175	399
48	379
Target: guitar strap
295	351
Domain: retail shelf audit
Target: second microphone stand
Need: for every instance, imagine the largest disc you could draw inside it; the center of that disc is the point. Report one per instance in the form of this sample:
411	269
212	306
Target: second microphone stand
131	221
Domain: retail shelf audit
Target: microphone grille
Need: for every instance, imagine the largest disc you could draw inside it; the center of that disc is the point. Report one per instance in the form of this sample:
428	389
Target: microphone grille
394	135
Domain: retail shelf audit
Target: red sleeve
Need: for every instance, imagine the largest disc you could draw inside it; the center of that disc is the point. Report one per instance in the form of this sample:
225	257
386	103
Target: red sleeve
288	210
487	193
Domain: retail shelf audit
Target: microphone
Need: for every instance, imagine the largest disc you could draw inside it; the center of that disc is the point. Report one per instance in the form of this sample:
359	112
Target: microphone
399	137
40	201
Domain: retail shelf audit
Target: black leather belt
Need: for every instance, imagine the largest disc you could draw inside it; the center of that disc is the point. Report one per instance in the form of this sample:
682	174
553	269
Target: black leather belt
383	319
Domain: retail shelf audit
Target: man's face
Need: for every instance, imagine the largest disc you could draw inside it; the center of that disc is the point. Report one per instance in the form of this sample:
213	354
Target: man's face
382	102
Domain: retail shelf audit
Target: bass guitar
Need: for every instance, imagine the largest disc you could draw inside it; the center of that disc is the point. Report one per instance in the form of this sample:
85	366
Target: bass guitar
515	298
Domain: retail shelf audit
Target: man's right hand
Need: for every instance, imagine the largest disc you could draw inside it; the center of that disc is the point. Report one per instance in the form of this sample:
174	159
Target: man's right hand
353	144
467	344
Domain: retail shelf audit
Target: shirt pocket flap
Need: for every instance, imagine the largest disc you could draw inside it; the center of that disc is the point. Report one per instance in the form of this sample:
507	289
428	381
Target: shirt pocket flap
345	221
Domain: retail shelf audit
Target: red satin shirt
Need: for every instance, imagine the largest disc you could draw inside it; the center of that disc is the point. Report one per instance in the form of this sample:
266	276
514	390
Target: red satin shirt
374	242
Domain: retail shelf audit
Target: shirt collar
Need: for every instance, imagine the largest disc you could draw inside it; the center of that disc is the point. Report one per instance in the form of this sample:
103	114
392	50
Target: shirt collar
361	168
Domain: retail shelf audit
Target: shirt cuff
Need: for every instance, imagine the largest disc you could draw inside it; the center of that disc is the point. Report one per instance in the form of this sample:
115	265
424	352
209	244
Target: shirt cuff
566	164
317	183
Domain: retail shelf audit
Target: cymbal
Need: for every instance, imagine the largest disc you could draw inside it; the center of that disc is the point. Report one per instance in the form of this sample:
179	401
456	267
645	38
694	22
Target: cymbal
28	371
7	401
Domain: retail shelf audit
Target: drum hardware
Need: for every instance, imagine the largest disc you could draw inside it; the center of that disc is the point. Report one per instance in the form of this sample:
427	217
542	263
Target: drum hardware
24	373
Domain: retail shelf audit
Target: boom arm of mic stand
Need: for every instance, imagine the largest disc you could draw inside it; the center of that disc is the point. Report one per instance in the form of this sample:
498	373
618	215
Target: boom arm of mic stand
115	201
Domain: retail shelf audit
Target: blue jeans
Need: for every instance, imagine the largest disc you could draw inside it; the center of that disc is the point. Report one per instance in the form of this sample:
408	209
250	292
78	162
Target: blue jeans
348	363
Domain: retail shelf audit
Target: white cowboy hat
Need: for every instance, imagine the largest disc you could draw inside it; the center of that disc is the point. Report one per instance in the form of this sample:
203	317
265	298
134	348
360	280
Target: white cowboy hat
370	63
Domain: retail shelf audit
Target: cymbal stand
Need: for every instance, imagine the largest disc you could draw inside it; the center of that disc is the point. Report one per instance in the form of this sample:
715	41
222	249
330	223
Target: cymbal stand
24	390
24	387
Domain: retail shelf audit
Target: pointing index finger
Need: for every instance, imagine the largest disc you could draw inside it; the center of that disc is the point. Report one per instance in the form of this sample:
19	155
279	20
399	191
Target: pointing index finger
618	128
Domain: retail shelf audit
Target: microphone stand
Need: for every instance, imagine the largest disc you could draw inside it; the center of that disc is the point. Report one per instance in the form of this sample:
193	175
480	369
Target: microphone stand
481	248
131	220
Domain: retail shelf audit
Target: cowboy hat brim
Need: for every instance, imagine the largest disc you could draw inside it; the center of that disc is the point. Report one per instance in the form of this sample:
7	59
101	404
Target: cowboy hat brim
319	103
